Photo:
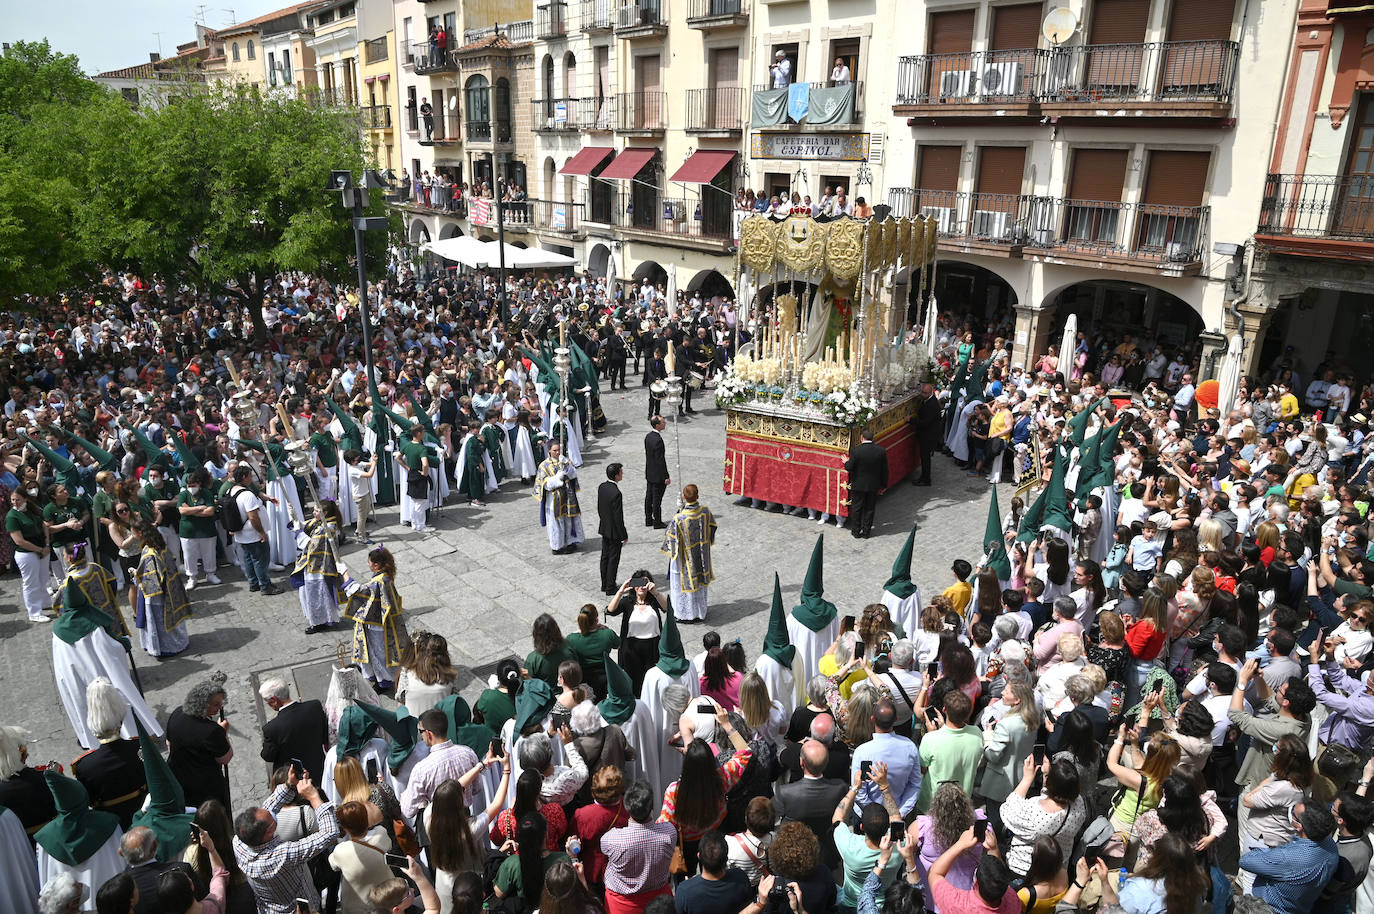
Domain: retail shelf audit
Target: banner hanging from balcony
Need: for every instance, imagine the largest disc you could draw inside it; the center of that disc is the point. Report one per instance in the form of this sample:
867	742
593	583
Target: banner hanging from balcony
798	101
480	213
768	108
813	147
832	106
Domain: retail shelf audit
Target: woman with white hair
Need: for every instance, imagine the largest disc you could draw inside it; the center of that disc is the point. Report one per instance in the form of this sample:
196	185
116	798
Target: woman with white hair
22	789
599	743
62	894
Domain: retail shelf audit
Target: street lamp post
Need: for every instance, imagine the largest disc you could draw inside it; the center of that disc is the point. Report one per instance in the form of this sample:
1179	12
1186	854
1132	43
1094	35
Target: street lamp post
357	199
500	240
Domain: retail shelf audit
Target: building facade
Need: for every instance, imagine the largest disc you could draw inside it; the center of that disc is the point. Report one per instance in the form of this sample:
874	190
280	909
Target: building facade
1097	159
1312	275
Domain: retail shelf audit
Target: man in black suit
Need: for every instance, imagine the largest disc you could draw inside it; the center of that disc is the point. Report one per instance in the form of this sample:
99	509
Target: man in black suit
928	425
867	467
616	357
655	474
299	731
812	800
610	510
138	847
655	369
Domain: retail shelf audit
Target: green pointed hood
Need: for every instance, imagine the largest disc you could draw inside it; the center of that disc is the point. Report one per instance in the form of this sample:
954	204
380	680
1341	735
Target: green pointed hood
1033	517
352	436
814	611
671	658
1078	425
461	730
189	462
1104	474
64	469
150	450
977	378
103	458
165	813
1056	499
456	709
993	544
956	386
355	729
532	704
776	642
77	831
899	585
619	704
79	617
399	725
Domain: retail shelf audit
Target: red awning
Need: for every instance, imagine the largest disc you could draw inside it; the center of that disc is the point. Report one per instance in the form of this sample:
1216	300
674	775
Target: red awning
629	163
585	162
703	166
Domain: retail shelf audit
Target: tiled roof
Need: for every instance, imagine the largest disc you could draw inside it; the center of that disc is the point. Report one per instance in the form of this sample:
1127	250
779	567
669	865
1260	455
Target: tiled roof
499	42
139	71
259	20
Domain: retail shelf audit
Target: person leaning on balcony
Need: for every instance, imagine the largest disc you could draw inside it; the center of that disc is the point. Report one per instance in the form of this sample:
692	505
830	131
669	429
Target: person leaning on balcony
840	75
781	71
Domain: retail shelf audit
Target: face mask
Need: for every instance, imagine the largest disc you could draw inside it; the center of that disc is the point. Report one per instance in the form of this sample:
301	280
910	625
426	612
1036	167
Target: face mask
34	491
194	490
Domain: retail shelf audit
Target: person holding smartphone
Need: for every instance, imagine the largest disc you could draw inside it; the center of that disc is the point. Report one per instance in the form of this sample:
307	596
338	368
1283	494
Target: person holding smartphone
860	850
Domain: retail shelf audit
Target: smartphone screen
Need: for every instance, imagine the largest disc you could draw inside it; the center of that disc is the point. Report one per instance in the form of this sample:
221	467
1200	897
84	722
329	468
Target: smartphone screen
706	707
1157	687
498	748
847	624
1039	752
933	670
859	649
933	715
372	771
980	829
400	861
1090	855
195	833
896	830
866	770
299	767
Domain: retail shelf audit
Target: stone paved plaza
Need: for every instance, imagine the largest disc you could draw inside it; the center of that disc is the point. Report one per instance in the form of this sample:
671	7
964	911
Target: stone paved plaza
489	573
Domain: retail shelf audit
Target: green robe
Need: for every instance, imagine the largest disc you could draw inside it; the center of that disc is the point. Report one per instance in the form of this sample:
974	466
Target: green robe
492	436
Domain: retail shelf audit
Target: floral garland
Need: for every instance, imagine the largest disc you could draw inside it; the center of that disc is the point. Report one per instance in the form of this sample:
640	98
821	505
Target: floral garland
851	406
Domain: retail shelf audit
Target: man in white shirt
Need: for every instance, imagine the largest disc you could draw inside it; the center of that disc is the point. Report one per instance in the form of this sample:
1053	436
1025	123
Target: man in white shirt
1154	368
1183	400
781	71
252	537
1315	397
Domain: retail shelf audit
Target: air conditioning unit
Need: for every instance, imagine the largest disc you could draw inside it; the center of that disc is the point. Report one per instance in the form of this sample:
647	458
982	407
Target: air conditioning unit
955	83
1178	252
943	216
1000	79
990	224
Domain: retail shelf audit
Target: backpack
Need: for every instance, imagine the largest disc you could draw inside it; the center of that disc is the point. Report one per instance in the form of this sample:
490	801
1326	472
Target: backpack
228	510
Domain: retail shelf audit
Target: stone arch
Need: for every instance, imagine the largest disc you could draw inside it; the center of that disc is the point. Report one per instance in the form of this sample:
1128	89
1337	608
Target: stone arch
651	270
419	232
449	230
570	75
550	179
546	85
711	283
598	260
1115	307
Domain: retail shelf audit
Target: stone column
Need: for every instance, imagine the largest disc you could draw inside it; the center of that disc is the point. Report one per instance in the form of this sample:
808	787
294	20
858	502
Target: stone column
1032	333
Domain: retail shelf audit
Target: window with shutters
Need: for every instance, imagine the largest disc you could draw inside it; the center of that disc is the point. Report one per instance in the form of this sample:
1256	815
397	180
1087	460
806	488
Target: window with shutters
1170	212
997	191
1092	212
1116	36
949	40
1354	215
937	183
1012	60
1198	55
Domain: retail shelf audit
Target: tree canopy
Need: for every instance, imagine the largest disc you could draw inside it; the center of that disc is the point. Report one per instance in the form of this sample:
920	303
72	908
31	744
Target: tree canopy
219	188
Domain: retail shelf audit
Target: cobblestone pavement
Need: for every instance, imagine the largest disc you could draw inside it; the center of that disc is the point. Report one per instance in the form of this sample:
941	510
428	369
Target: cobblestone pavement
489	573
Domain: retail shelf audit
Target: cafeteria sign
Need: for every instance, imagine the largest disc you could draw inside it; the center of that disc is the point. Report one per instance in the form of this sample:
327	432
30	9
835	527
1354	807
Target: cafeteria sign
835	147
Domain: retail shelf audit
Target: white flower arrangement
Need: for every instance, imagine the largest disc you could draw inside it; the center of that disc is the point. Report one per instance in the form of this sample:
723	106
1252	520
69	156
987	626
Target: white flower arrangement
850	405
733	386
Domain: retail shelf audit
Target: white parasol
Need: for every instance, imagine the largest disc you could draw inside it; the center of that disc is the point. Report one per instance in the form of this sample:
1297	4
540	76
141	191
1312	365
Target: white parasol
672	289
1228	384
1066	346
931	328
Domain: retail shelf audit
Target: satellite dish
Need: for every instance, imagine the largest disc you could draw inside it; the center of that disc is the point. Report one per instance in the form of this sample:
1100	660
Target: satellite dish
1059	26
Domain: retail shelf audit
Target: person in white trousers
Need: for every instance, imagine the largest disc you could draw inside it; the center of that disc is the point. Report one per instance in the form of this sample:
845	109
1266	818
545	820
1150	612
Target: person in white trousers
197	529
31	553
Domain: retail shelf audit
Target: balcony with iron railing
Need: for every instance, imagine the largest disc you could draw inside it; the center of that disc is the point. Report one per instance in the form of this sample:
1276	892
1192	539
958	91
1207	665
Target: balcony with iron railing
1154	79
376	117
551	20
521	32
556	115
641	113
1318	213
1128	235
331	97
493	131
828	104
555	216
429	59
641	19
441	128
596	16
412	117
376	50
717	14
597	115
717	110
681	217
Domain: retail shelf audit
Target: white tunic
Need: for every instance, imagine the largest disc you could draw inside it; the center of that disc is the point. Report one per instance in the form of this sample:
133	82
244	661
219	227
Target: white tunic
811	646
523	464
905	611
92	872
649	741
78	665
281	538
375	749
782	682
18	870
